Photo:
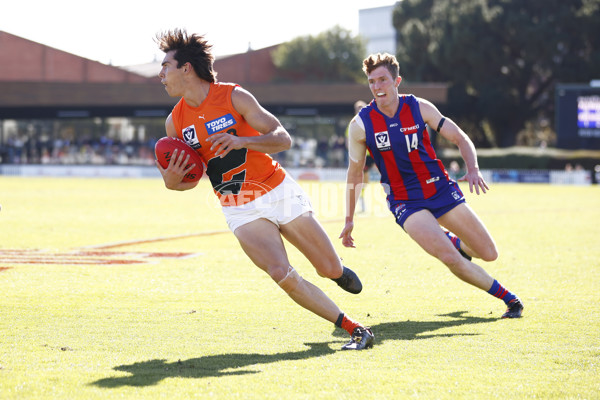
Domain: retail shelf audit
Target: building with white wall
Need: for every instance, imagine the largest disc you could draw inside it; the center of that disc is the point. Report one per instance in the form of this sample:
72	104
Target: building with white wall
375	25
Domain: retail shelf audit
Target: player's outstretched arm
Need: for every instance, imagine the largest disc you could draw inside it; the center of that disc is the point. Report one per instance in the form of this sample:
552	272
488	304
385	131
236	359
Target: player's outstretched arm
357	149
454	134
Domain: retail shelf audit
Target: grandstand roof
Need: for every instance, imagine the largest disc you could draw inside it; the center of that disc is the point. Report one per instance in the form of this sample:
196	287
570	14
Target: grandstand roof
39	81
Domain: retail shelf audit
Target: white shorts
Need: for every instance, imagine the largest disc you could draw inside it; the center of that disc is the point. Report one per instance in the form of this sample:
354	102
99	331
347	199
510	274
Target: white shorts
281	205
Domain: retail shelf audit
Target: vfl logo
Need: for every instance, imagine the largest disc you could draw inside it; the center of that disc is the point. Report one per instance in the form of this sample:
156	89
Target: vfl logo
190	137
382	139
219	124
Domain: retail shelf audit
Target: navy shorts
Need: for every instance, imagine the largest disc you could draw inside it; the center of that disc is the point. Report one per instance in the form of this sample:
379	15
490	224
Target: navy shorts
442	202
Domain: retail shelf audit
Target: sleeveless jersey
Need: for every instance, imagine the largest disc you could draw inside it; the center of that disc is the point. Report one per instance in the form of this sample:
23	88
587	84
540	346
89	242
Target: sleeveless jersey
242	175
402	151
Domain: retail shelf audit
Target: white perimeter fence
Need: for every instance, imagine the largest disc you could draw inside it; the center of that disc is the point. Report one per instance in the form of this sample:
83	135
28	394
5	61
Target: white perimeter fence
105	171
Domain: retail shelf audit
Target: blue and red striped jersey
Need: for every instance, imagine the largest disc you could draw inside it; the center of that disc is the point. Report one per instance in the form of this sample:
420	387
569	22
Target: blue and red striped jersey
402	150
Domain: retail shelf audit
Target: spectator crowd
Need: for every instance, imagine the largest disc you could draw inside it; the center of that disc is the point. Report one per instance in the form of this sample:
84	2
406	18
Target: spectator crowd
305	152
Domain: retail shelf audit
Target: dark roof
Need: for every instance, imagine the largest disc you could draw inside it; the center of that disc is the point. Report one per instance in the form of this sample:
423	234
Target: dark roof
23	60
38	81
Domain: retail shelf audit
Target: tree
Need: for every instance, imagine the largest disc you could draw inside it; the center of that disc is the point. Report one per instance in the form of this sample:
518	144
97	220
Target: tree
502	58
331	56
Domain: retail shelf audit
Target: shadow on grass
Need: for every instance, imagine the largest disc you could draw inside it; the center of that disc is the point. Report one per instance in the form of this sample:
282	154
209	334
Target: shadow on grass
147	373
418	330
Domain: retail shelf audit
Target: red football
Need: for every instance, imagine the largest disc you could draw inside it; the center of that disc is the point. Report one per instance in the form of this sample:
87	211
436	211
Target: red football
164	149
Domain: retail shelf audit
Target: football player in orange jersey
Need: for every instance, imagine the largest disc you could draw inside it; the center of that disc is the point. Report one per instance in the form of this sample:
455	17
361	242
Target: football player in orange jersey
234	135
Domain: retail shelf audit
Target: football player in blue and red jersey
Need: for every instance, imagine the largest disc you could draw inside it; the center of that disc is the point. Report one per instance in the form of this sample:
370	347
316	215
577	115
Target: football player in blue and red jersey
425	201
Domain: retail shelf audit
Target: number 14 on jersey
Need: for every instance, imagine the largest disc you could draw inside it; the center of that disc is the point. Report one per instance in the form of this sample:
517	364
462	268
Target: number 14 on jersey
412	142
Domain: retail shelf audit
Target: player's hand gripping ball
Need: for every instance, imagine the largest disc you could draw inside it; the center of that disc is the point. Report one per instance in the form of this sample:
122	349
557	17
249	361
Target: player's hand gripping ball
164	150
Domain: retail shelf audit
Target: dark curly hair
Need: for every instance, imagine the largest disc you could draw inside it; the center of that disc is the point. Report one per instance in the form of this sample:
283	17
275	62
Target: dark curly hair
192	48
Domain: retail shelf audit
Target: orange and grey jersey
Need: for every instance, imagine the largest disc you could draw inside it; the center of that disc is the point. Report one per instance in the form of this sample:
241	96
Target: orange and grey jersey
242	175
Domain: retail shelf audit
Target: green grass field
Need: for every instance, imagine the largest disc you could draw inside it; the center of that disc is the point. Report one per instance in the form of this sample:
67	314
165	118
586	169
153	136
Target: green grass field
119	288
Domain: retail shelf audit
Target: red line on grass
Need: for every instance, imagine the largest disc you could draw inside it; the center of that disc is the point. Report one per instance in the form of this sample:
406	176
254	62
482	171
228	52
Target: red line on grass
60	261
35	256
101	257
167	238
153	240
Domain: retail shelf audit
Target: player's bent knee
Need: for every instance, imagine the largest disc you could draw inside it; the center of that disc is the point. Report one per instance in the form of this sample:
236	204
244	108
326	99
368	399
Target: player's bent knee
490	254
491	257
330	270
290	281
